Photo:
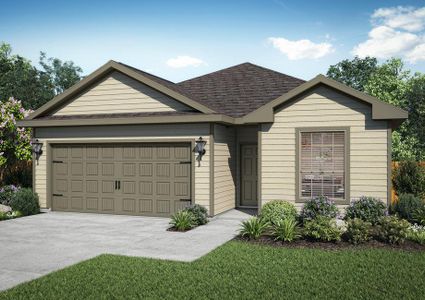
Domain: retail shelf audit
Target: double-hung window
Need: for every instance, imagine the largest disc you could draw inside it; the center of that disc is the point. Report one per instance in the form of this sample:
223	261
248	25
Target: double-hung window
322	164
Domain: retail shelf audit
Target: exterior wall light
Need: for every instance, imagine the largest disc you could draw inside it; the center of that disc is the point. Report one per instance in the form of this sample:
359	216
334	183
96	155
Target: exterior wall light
36	148
200	149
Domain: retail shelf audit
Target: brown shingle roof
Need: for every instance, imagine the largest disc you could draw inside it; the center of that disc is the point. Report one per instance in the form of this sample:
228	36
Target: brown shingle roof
239	90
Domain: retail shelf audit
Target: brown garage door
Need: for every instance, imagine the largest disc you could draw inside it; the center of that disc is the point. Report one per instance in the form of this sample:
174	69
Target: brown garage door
137	179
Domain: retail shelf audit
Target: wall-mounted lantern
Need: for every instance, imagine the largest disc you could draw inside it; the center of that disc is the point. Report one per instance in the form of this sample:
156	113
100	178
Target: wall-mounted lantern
36	148
200	149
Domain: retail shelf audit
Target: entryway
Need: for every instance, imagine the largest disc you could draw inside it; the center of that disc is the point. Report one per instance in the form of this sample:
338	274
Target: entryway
249	175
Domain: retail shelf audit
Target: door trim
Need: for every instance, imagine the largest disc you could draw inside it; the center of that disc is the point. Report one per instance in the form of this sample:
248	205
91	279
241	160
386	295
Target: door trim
51	143
239	204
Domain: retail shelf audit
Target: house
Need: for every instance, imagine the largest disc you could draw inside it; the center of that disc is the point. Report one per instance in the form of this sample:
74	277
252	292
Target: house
124	141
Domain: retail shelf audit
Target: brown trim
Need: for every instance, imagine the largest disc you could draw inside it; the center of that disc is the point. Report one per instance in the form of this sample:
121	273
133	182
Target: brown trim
212	177
259	169
380	110
33	162
298	131
192	177
202	118
49	176
389	165
105	70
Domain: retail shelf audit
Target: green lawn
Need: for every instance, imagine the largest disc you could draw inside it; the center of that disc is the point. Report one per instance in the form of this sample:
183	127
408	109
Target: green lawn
239	270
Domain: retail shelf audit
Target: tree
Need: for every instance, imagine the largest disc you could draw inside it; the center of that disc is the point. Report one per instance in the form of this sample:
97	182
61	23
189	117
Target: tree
21	80
63	75
391	83
14	141
355	72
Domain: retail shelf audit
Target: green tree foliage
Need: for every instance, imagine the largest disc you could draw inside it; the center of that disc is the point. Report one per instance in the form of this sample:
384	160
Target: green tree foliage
21	80
391	83
354	73
14	141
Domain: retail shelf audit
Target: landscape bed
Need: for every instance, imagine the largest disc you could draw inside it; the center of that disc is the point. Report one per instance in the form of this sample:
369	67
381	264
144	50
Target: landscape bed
239	270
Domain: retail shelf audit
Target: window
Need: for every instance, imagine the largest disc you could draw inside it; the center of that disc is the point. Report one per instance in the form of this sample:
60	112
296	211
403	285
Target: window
322	164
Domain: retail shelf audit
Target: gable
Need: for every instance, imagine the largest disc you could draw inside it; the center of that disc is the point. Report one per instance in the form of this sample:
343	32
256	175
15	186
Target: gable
118	93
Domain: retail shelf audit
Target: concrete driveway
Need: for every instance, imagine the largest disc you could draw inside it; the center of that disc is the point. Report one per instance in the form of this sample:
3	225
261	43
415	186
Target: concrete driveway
37	245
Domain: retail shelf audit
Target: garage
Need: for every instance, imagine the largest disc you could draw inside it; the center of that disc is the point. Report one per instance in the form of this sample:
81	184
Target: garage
153	179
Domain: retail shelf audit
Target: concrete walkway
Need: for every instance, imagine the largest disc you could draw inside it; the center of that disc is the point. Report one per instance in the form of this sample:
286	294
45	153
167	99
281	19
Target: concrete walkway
34	246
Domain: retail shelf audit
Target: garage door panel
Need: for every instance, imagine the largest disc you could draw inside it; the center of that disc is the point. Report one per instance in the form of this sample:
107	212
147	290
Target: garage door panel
76	186
92	169
77	203
163	206
153	178
92	203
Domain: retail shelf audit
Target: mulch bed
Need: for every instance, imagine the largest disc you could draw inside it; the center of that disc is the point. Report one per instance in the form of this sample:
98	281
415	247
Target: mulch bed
305	244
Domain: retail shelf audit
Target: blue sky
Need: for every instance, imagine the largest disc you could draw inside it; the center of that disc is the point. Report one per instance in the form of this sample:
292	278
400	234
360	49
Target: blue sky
182	39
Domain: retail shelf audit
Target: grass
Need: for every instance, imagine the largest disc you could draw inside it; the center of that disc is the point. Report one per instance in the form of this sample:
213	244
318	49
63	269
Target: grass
242	271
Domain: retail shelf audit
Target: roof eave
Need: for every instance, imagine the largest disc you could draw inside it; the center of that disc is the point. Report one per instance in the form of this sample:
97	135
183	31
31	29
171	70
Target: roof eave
102	71
202	118
380	110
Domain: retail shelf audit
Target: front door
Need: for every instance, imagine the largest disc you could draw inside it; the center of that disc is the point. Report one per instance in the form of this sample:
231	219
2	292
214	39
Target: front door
249	154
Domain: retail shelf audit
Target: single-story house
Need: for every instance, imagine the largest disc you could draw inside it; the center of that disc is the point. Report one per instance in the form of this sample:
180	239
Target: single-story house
124	141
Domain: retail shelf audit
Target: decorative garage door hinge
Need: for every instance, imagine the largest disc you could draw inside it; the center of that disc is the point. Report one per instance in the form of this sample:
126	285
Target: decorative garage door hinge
185	199
58	161
58	195
185	162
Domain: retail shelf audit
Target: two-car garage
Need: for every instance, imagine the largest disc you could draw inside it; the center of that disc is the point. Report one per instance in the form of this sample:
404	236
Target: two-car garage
153	179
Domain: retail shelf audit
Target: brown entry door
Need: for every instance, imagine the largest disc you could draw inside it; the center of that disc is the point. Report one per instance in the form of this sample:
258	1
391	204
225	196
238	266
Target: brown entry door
249	177
135	179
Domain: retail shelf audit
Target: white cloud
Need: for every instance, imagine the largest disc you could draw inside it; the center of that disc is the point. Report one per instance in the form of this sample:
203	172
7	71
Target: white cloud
301	49
184	61
385	42
407	18
396	31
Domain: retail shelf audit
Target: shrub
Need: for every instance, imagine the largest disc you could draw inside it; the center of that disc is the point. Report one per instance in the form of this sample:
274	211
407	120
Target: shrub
253	228
322	229
407	205
26	201
278	210
10	215
6	194
183	220
286	230
199	212
419	215
358	231
320	206
416	234
392	230
368	209
409	178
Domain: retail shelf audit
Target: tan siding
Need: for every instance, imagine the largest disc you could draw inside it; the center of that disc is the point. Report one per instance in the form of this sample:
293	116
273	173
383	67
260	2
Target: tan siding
325	108
224	168
137	133
119	93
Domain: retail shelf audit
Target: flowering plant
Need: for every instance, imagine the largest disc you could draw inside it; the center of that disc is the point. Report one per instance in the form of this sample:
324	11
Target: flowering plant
319	206
14	141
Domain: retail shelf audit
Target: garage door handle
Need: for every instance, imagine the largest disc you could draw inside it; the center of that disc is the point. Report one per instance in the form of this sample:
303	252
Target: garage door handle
58	195
185	199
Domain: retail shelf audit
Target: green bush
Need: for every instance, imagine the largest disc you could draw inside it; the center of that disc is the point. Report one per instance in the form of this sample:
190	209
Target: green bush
322	229
10	215
4	216
416	234
6	193
253	228
320	206
358	231
26	201
392	230
286	230
183	220
368	209
199	212
419	215
409	178
278	210
407	206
